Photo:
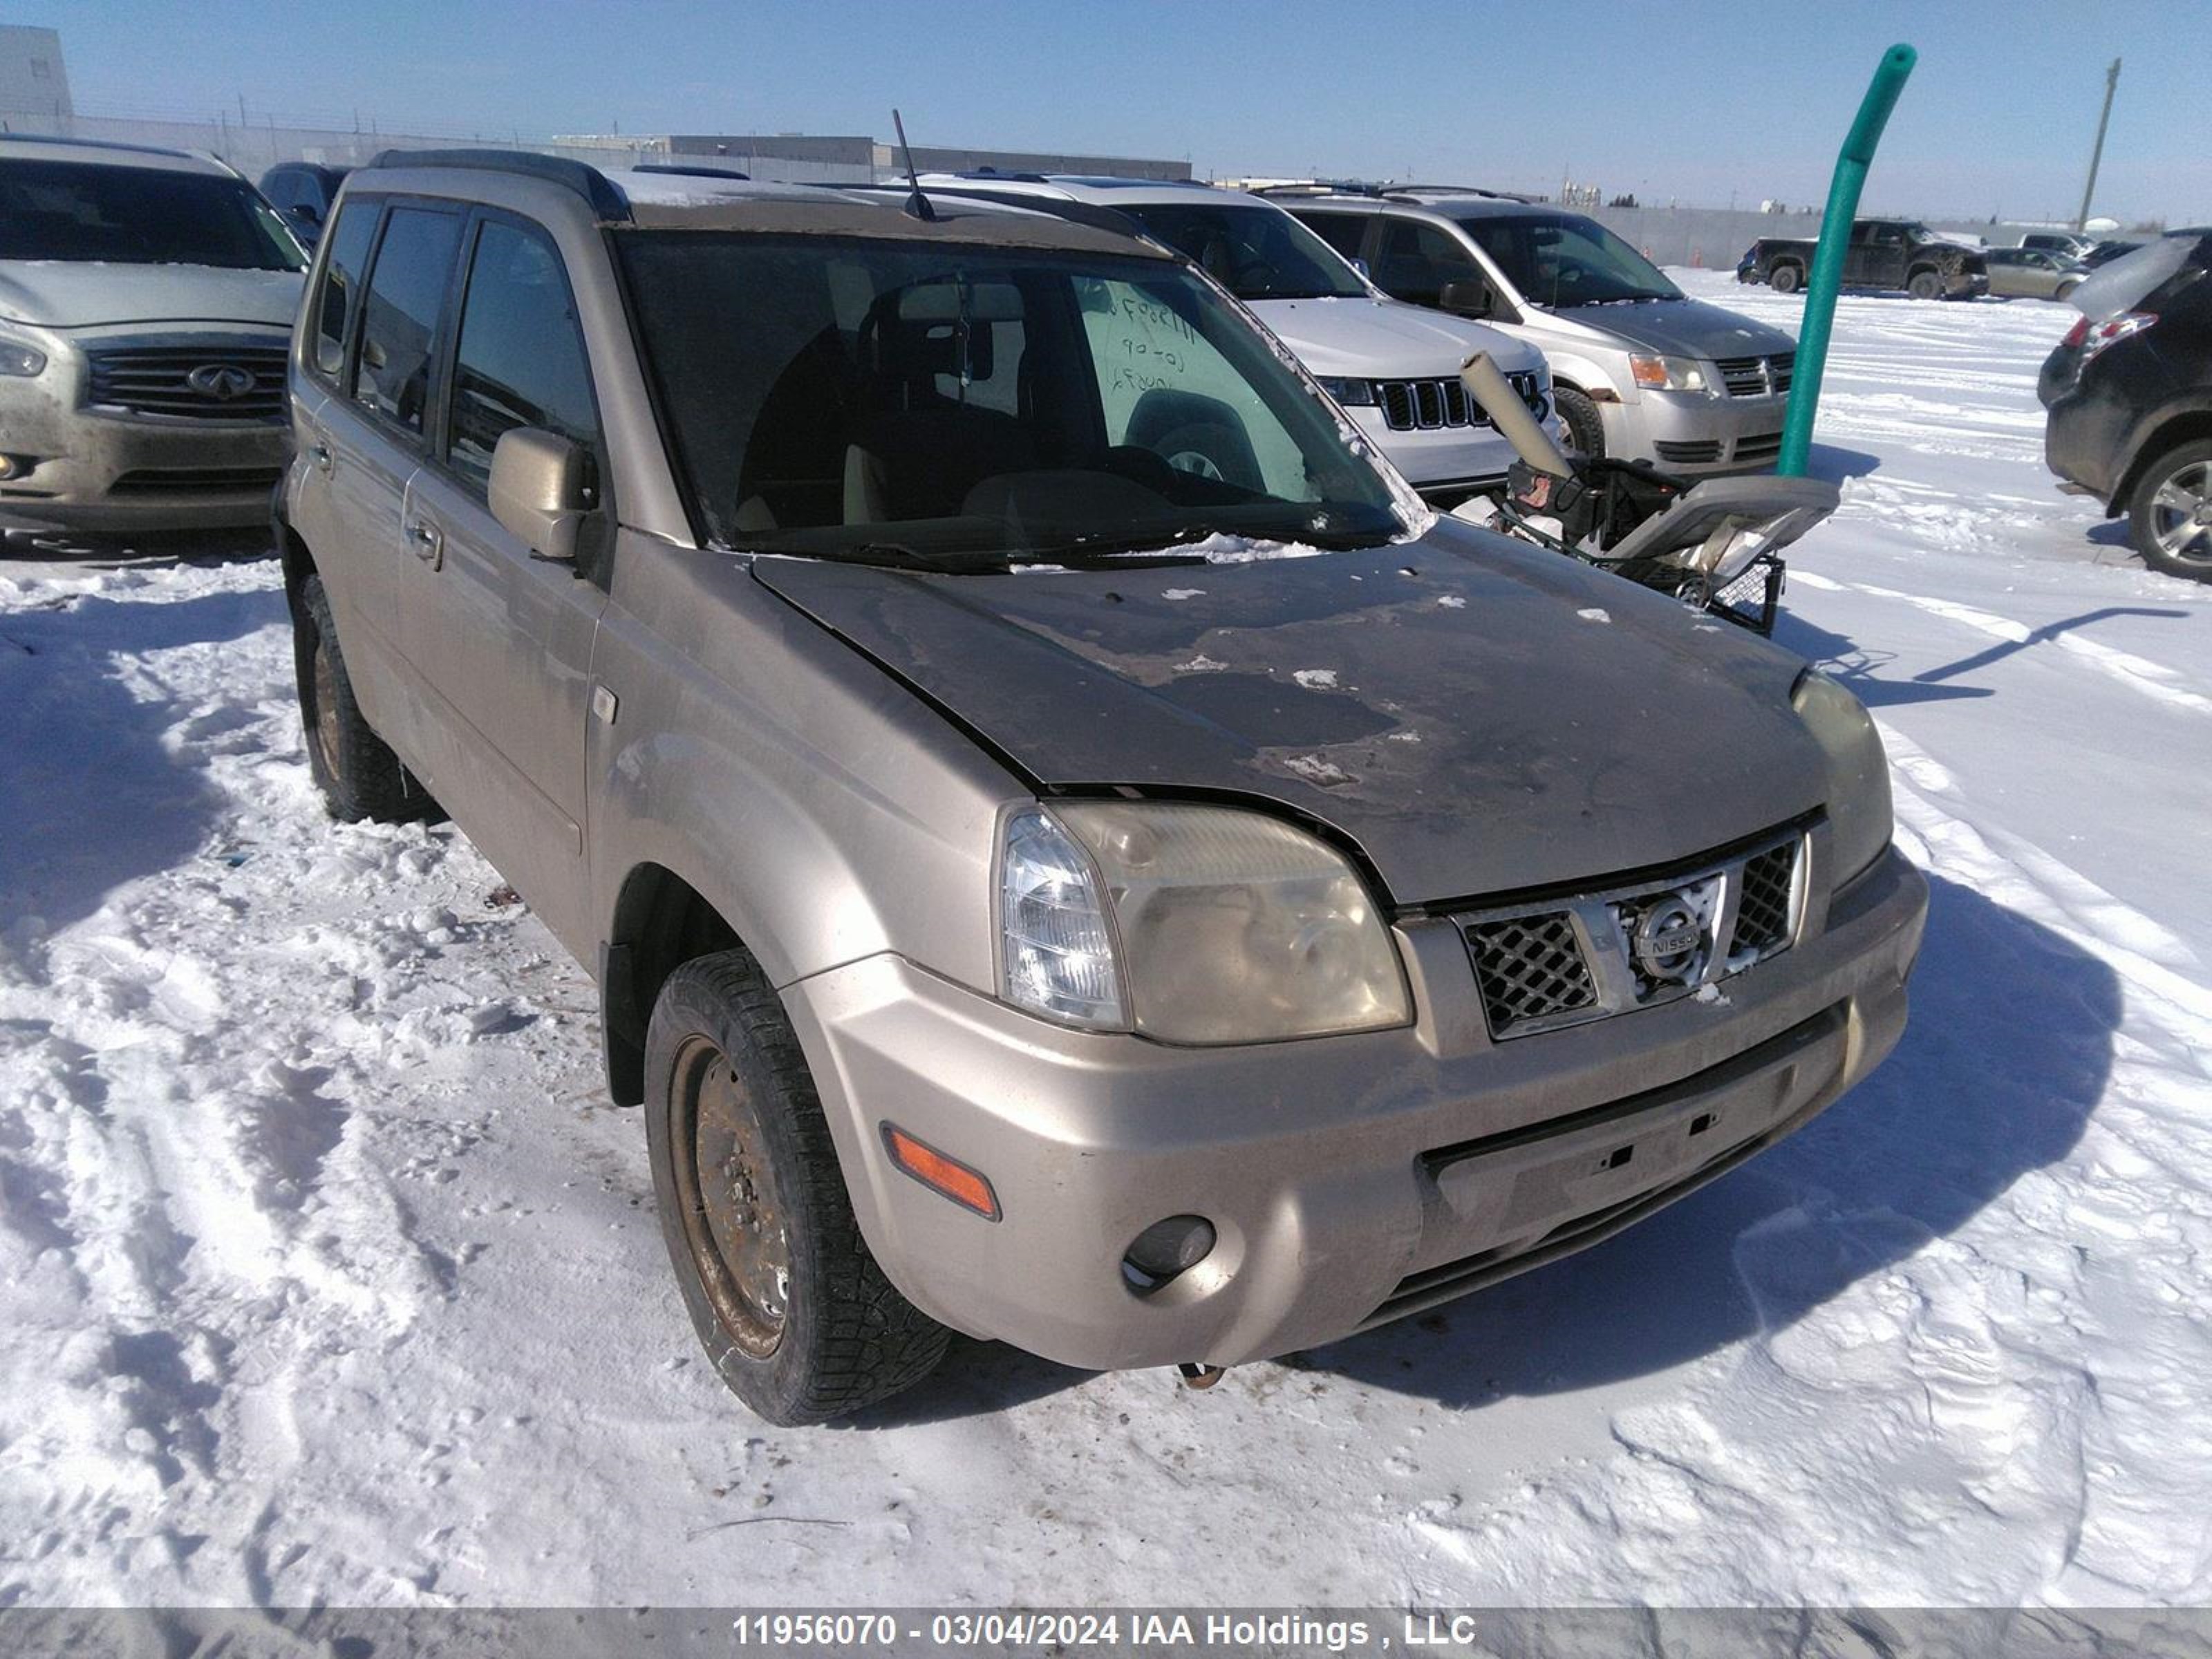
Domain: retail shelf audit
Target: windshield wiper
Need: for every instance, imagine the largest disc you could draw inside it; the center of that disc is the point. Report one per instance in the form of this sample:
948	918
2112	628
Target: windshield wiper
1128	552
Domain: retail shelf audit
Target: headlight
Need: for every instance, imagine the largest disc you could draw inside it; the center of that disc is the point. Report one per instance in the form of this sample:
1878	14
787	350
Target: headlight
1190	924
18	359
1350	392
1668	374
1859	815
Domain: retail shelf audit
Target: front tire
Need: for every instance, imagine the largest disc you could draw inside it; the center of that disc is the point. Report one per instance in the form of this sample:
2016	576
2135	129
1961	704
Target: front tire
1786	279
1585	427
1925	285
2170	512
797	1318
359	776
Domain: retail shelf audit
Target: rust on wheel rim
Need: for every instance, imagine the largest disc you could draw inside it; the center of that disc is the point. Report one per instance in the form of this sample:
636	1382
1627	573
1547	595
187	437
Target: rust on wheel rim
735	1222
326	706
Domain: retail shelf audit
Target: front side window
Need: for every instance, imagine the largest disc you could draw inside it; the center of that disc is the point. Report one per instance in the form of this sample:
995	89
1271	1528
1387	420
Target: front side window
521	357
1561	260
399	320
1255	252
341	283
126	215
896	399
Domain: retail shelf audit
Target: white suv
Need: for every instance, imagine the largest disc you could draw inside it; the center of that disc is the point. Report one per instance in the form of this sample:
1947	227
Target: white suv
1394	367
146	298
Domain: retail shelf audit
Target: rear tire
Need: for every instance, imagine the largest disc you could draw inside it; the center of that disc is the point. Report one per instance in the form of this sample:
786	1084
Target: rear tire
1585	427
799	1320
1786	279
1924	285
359	776
2170	512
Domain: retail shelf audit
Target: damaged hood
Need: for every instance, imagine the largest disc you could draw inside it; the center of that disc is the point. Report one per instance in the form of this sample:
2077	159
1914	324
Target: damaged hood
85	293
1478	717
1385	340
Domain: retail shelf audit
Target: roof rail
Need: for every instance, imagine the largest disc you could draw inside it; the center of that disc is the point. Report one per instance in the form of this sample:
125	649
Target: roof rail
997	173
1323	187
586	181
1461	190
690	172
104	144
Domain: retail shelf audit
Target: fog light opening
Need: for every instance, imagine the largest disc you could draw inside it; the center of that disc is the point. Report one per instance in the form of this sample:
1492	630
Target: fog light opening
1166	1250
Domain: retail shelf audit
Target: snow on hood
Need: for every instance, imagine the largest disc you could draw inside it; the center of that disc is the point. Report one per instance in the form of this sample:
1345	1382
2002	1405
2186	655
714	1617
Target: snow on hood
83	292
1446	703
1685	328
1386	339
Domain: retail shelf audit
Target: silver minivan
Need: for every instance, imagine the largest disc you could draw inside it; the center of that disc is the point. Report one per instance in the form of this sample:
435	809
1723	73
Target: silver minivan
1640	371
1036	890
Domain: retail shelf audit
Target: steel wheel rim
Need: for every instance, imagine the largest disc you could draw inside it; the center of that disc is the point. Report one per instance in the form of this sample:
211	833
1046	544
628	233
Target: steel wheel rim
326	706
2181	514
735	1222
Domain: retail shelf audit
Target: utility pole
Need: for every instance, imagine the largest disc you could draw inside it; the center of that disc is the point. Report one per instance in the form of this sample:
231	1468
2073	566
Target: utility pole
2097	155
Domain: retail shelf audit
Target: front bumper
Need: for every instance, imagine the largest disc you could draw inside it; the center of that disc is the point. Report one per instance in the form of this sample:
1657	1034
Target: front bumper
1446	463
1349	1180
1695	433
92	469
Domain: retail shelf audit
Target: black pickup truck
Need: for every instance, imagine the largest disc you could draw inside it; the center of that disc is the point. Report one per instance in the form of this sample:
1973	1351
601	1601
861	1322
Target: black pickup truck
1883	253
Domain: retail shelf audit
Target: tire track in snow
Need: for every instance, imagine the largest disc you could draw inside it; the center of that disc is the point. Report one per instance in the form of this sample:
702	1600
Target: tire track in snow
2139	674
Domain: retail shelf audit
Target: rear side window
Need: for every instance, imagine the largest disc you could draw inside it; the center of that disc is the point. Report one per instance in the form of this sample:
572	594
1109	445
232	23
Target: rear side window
1341	231
1416	260
520	361
341	284
399	322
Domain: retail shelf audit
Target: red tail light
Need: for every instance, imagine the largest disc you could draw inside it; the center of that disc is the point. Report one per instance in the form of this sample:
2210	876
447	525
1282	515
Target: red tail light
2076	334
2113	330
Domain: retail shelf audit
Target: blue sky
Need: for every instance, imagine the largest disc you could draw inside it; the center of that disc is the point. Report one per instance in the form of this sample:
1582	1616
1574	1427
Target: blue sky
1695	101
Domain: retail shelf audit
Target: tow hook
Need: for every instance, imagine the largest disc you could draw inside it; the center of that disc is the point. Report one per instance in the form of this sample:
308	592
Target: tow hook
1195	1375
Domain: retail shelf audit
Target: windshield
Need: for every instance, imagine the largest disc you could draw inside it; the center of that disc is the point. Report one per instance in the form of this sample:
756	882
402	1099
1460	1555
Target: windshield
909	402
1562	259
138	216
1255	252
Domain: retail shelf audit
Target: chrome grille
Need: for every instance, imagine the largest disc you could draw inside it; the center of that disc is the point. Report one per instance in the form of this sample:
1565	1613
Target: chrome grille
1529	968
1615	950
1757	377
1424	405
157	379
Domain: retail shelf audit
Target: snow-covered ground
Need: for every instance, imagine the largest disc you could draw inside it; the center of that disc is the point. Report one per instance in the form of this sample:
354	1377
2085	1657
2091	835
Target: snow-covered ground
326	1275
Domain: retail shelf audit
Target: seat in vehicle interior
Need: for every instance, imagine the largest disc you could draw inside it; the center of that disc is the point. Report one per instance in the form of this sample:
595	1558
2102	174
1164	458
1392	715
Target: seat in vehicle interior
915	450
794	469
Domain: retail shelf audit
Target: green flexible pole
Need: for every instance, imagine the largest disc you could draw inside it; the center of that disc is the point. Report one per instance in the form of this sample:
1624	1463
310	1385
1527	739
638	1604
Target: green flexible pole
1827	273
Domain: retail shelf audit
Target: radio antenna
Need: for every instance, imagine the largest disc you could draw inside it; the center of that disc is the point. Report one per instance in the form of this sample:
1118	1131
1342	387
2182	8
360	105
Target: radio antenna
917	203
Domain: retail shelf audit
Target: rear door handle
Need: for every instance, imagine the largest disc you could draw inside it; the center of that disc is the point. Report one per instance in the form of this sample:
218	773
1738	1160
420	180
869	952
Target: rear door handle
428	543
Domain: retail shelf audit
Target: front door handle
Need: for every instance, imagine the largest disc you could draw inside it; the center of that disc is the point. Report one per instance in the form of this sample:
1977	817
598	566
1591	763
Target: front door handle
423	536
319	452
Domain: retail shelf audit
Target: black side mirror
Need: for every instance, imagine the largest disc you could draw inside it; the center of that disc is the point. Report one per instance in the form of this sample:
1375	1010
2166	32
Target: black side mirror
1469	297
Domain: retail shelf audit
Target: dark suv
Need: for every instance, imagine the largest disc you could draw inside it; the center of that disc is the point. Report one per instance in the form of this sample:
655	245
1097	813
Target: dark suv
2129	392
